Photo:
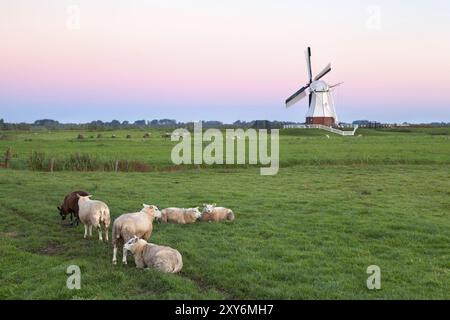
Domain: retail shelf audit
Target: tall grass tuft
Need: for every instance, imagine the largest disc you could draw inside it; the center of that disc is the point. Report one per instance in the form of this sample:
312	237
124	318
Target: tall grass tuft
40	161
37	161
81	162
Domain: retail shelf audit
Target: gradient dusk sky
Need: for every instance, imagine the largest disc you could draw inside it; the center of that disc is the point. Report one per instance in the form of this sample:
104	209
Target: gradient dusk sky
221	60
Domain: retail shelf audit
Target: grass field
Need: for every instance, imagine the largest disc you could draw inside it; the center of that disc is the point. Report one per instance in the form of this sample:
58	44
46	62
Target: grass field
336	207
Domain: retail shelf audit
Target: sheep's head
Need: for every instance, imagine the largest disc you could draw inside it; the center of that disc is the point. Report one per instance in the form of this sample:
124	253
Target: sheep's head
208	208
62	213
130	243
196	211
153	210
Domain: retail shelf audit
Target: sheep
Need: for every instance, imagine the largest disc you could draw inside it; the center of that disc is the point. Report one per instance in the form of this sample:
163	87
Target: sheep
180	215
130	224
70	206
93	213
162	258
212	213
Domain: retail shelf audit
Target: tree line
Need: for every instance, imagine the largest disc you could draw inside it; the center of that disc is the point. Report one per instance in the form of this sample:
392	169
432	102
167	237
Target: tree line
51	124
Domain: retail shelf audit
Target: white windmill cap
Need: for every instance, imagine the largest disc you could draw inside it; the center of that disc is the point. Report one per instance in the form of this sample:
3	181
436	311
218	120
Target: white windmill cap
319	86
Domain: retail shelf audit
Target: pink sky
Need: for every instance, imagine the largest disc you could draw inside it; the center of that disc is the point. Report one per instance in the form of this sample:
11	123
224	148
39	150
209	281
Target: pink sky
181	61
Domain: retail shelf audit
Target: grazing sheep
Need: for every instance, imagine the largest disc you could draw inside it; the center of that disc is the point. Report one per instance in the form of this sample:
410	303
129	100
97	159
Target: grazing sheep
164	259
70	206
212	213
180	215
130	224
93	213
147	135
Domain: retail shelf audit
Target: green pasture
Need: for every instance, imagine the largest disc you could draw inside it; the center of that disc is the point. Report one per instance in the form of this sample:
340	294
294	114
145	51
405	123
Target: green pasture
337	206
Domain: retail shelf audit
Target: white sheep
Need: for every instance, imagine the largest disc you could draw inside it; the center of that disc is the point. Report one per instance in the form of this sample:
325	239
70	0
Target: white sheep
138	224
162	258
93	213
180	215
212	213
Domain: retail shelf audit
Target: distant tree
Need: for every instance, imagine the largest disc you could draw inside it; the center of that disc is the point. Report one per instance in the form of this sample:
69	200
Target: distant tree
115	123
212	124
22	126
167	122
96	125
48	123
140	123
361	122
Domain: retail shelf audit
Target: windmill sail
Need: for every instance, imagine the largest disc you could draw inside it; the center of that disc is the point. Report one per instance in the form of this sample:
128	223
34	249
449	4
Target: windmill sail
323	73
308	63
296	97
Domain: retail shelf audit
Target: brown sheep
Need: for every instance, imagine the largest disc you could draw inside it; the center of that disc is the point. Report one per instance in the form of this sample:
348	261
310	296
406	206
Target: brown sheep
70	206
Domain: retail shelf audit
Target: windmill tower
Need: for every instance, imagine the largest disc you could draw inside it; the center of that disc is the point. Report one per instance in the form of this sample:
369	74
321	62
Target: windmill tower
321	105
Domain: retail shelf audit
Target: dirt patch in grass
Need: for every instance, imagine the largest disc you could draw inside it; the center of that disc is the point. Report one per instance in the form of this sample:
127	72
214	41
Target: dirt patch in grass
51	249
9	234
205	286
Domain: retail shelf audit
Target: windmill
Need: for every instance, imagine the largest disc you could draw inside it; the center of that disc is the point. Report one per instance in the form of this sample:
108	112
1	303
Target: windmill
321	106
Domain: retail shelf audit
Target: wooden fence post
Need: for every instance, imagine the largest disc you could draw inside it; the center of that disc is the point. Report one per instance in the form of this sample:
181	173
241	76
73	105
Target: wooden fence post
8	158
52	164
116	168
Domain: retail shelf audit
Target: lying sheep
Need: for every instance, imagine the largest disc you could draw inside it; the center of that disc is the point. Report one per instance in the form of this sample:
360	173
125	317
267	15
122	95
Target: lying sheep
161	258
130	224
180	215
93	213
212	213
70	206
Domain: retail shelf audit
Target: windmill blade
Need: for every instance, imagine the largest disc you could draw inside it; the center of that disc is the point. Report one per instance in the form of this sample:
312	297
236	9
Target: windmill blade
337	84
323	73
308	63
296	97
